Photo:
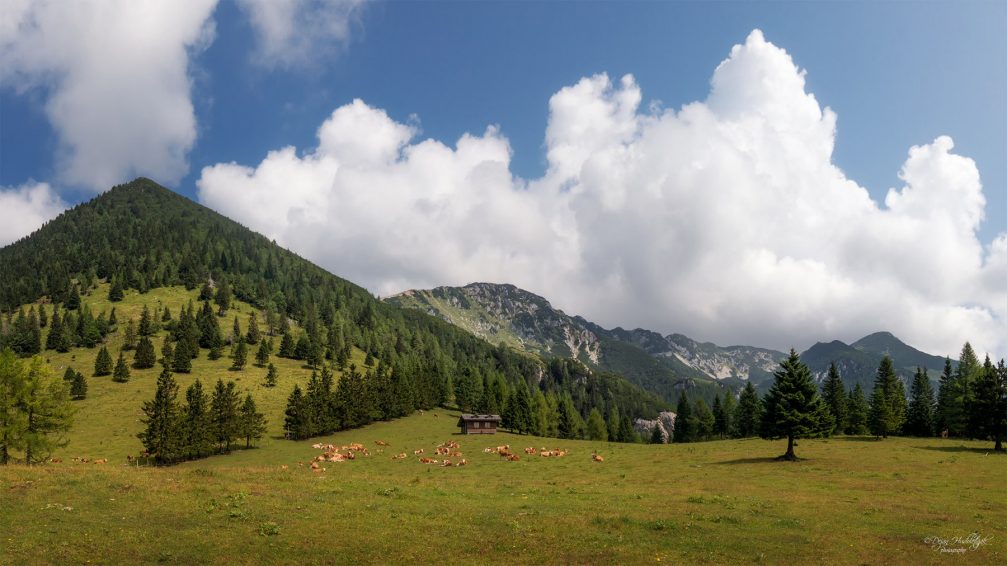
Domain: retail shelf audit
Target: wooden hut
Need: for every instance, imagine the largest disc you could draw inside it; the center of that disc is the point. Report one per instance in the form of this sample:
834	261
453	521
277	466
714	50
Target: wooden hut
478	424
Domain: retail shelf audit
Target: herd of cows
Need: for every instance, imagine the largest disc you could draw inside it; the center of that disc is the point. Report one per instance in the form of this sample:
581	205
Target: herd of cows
446	454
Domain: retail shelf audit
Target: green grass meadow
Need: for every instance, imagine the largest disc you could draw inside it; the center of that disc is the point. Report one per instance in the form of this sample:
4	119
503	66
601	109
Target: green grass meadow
850	500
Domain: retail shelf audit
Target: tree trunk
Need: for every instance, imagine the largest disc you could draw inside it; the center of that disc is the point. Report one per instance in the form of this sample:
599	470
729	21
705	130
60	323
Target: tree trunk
999	445
790	456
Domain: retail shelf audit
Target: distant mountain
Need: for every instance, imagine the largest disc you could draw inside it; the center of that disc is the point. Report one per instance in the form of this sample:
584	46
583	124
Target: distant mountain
502	313
858	362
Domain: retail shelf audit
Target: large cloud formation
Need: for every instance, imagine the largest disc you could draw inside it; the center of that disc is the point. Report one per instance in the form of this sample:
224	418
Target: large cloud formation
725	219
114	77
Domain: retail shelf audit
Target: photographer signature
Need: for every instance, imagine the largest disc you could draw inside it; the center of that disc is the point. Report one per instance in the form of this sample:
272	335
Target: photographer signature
958	544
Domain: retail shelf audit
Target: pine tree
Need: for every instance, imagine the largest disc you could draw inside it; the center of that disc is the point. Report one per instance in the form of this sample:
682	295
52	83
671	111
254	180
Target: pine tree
103	363
206	292
262	355
78	387
517	415
239	356
857	411
166	316
43	318
252	423
162	435
224	415
626	432
129	336
888	402
253	336
990	403
146	324
730	410
121	373
198	429
920	416
684	422
656	437
271	376
167	352
834	395
235	331
748	415
112	319
793	408
467	390
596	428
145	357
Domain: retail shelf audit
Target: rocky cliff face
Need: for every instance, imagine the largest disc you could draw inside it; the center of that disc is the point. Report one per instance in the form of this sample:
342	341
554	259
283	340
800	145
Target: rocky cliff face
665	421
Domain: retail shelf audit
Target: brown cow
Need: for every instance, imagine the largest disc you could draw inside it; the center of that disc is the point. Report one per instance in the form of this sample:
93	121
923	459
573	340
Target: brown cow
598	457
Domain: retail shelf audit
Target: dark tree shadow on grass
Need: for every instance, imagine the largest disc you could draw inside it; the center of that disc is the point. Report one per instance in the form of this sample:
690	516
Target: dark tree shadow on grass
855	438
961	448
765	460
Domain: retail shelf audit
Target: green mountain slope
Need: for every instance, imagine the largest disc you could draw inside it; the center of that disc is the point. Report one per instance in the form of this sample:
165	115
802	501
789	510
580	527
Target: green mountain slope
146	238
858	362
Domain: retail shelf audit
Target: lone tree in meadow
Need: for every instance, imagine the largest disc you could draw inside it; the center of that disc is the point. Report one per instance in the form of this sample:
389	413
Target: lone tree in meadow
103	363
793	408
262	355
145	356
271	376
121	373
78	386
239	355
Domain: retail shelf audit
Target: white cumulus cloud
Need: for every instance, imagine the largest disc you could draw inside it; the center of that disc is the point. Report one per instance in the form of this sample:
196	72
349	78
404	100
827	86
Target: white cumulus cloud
114	78
297	33
725	219
25	208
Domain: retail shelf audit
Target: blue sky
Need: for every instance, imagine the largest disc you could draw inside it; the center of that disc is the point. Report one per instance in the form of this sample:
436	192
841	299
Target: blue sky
897	75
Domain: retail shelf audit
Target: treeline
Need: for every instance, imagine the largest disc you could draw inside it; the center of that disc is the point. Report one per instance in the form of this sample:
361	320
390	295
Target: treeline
202	426
35	409
971	402
76	326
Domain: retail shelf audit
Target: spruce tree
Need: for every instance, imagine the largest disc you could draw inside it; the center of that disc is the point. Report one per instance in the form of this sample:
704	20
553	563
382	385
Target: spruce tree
567	418
967	374
236	332
626	432
129	336
239	356
198	430
55	330
167	352
262	355
103	363
182	360
253	336
596	429
161	436
115	293
704	420
730	409
950	416
990	403
78	387
69	374
206	292
857	412
684	423
888	402
43	318
145	356
223	298
748	415
834	395
295	421
112	319
920	416
72	302
252	423
224	414
720	420
121	373
271	376
655	434
146	324
793	408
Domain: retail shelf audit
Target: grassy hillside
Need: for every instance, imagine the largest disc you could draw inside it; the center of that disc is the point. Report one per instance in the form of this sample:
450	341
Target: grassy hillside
108	420
852	501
